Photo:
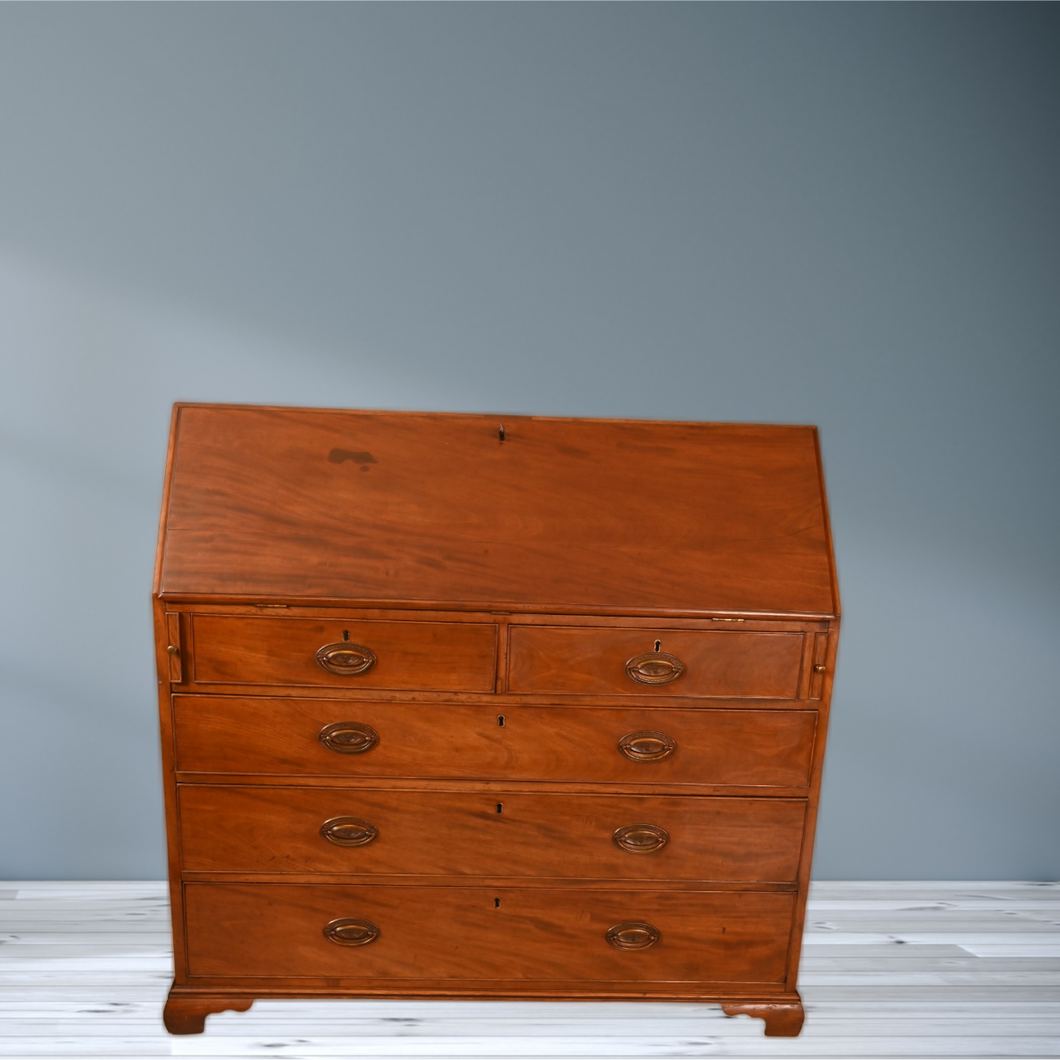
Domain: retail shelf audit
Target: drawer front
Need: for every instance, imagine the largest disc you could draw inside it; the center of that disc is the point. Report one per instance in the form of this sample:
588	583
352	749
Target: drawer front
593	661
441	656
228	828
634	745
466	933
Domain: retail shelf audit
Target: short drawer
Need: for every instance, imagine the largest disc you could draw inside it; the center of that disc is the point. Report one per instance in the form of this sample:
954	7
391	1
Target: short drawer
442	656
229	828
627	745
579	660
466	933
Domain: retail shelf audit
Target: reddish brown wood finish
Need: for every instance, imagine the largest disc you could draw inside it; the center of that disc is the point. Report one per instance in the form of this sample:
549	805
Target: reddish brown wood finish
183	1015
311	504
438	656
586	661
502	592
493	934
746	748
783	1019
233	828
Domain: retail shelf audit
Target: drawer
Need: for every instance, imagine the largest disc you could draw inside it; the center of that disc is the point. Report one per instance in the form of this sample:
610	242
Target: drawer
228	828
467	933
654	662
441	656
626	745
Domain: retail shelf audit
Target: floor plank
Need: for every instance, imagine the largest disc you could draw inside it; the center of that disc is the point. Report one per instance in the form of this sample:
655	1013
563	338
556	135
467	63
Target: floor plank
906	969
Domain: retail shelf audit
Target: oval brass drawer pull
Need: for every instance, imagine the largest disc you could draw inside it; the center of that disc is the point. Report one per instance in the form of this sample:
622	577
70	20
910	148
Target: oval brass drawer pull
350	932
349	832
654	668
640	838
647	746
346	659
348	737
633	935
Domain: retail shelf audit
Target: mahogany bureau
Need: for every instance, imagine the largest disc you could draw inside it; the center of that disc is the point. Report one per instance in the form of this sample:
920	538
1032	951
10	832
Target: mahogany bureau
459	706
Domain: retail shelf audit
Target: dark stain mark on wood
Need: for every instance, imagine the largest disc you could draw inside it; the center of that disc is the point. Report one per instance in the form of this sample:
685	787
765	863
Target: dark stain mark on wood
337	456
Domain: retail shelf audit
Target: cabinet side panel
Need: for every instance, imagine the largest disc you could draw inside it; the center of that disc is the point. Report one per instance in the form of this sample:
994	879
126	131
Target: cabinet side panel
165	724
829	548
163	519
806	861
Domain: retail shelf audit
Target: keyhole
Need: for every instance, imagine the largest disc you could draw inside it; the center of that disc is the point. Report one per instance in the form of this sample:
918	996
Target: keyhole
500	720
500	807
496	903
658	645
346	635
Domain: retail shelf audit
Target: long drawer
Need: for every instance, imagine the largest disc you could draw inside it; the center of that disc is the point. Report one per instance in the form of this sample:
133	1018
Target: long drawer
231	828
654	662
468	933
635	745
432	656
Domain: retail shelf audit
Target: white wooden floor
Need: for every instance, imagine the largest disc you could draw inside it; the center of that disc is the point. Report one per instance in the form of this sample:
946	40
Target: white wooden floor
888	970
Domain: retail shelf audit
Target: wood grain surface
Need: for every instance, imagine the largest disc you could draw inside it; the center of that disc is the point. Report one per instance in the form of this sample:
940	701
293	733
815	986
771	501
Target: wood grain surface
440	656
587	661
540	711
471	933
383	506
234	828
252	735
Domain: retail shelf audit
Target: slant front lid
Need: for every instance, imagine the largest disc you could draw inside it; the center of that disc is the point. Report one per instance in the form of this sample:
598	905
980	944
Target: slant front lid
428	508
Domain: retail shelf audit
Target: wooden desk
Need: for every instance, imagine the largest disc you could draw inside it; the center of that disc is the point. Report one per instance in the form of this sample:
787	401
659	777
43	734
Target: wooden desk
457	708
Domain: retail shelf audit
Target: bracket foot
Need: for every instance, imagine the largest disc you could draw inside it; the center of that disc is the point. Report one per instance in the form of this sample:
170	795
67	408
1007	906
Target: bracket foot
187	1015
783	1018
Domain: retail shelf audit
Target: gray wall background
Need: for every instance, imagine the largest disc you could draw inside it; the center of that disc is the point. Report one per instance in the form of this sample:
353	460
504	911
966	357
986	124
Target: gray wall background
834	214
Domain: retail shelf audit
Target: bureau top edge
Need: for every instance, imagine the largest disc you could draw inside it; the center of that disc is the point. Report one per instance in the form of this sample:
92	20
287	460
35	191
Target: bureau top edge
492	609
512	417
